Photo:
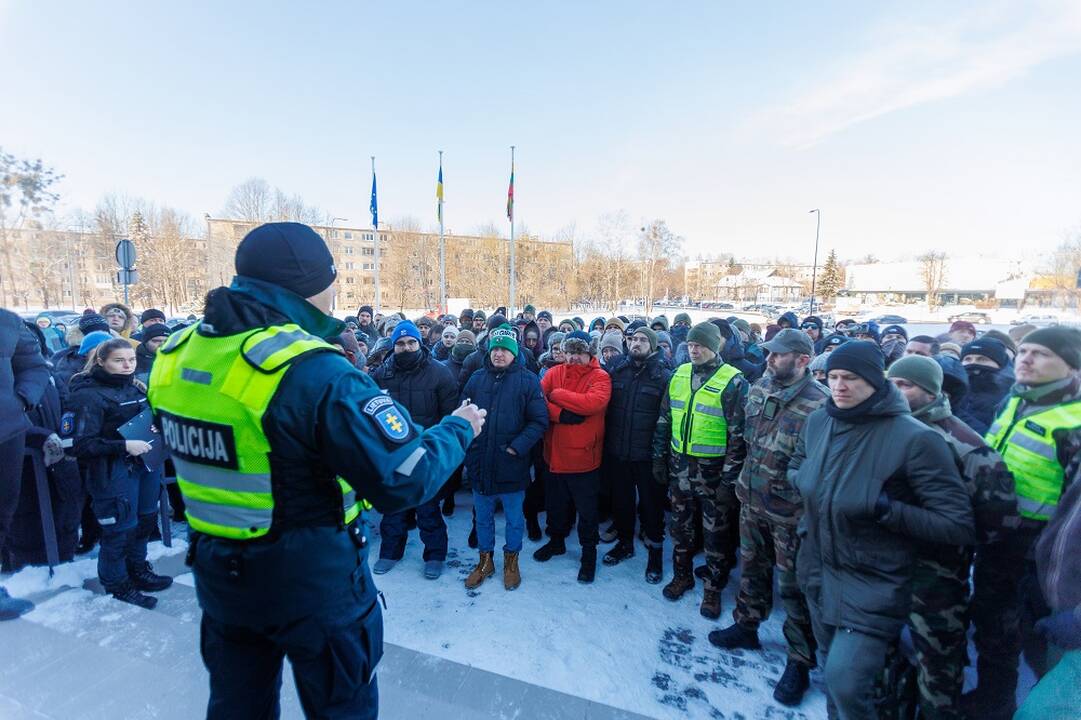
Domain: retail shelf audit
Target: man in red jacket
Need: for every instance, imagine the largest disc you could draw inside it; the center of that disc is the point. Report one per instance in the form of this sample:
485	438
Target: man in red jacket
577	393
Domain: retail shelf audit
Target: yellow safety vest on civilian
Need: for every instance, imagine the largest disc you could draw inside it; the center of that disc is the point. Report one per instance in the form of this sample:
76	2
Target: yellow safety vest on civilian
210	394
703	431
1028	446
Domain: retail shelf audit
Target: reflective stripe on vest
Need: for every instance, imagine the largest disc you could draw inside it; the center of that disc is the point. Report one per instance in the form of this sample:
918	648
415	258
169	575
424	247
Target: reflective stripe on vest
1027	445
210	394
702	432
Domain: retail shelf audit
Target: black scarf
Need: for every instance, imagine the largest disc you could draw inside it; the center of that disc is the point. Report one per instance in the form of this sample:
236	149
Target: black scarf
106	378
859	413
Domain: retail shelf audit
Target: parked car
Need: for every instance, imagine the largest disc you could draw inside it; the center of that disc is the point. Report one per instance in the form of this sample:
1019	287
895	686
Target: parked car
971	316
1044	319
890	320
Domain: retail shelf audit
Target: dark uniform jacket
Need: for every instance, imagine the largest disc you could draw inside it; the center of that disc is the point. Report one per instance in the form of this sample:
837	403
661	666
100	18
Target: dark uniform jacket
631	419
318	429
855	561
775	416
102	403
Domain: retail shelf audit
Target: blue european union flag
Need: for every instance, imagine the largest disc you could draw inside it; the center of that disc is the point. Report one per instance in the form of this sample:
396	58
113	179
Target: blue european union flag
374	207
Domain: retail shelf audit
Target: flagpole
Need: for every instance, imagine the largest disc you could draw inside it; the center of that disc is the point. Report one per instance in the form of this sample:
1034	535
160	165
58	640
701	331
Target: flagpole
510	305
375	250
442	245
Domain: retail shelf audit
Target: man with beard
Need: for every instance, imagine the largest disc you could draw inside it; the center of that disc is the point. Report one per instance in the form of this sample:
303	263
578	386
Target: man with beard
777	407
639	379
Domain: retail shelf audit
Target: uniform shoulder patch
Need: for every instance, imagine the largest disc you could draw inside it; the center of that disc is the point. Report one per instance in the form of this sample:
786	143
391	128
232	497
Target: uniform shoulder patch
67	424
386	416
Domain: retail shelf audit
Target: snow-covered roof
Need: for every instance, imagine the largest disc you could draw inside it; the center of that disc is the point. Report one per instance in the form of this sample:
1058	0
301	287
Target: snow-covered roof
961	275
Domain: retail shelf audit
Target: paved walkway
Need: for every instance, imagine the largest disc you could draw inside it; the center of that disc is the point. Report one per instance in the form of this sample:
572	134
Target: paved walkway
86	657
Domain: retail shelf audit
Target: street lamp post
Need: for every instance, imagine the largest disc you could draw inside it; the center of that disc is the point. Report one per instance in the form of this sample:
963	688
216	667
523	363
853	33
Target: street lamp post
814	268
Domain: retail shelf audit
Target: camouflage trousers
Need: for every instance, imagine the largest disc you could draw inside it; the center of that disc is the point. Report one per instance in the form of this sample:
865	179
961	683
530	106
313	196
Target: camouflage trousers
764	544
690	493
938	621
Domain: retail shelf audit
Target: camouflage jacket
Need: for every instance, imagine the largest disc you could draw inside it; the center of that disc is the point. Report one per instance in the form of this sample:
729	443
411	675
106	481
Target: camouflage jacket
775	416
987	479
725	468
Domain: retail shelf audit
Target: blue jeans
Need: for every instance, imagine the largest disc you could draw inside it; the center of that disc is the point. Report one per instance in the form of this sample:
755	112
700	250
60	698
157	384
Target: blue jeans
484	505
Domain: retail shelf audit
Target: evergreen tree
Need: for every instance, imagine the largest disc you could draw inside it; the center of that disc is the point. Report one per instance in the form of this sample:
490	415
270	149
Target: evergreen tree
832	278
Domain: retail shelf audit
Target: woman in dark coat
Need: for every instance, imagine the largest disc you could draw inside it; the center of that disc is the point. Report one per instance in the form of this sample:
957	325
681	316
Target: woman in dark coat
124	494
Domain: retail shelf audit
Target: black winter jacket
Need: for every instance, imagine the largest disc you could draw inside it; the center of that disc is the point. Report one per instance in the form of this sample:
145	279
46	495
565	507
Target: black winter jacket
517	418
986	389
631	418
102	403
427	391
854	564
24	374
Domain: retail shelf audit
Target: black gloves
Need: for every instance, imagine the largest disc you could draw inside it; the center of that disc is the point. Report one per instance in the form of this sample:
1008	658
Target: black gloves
566	417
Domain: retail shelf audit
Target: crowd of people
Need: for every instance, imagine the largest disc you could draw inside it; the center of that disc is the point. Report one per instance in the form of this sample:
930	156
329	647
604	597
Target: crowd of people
902	489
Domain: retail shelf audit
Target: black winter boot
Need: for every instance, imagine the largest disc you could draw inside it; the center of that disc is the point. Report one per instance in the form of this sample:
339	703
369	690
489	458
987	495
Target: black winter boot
533	527
448	505
588	571
555	546
655	565
127	592
735	636
622	551
793	684
144	578
994	696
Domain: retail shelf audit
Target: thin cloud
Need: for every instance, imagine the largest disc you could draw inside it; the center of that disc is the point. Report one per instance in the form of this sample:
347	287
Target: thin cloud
910	64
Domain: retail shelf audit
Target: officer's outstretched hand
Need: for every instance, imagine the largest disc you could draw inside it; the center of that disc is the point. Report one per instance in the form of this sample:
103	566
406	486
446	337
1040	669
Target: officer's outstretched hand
470	412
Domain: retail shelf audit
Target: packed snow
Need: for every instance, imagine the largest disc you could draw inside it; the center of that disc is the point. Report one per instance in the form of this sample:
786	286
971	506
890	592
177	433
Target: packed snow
617	641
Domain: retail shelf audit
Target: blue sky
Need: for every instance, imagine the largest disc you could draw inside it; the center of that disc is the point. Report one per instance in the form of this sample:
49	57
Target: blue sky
915	125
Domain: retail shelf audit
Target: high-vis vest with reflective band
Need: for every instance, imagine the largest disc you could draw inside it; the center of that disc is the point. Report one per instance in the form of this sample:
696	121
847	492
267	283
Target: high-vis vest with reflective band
702	432
1027	445
210	395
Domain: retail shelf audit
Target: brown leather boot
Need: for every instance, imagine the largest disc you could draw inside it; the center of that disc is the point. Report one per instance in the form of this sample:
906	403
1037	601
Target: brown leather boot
512	576
711	604
485	569
682	578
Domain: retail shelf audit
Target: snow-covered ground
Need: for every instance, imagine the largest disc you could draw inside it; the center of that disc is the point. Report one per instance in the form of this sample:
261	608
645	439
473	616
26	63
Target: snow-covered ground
617	641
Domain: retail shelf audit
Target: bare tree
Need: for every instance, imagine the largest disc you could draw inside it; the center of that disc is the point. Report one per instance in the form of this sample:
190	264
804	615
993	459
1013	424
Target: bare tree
254	200
26	193
933	273
657	246
251	200
1064	266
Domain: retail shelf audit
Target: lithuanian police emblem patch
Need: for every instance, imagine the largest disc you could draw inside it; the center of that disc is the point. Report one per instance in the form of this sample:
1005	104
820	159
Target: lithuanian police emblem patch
388	418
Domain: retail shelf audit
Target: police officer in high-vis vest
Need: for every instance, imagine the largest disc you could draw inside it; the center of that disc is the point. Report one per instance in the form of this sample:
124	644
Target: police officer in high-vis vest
698	451
1037	431
278	442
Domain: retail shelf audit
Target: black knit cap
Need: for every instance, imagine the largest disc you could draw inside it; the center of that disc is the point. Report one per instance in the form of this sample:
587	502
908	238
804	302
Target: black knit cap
289	255
988	347
92	322
151	314
863	358
1063	341
154	331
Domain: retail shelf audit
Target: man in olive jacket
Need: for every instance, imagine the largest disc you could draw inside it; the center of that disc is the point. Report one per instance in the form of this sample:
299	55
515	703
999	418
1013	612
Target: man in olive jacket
875	482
